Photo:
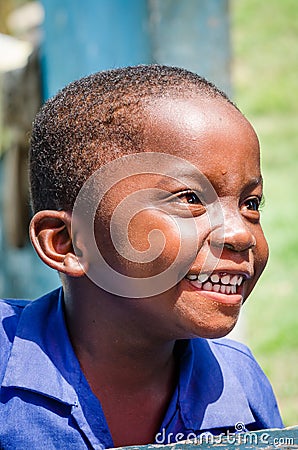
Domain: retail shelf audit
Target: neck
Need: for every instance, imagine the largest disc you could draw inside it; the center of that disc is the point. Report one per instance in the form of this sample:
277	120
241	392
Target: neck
114	339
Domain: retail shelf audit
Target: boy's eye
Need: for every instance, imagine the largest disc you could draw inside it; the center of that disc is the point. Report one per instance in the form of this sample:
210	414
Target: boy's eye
253	204
185	202
190	197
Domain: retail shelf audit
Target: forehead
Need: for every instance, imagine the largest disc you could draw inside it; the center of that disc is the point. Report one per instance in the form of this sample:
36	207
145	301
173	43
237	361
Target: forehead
210	133
203	130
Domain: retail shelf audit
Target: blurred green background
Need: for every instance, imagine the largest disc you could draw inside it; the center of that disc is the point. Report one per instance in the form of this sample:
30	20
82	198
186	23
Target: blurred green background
265	80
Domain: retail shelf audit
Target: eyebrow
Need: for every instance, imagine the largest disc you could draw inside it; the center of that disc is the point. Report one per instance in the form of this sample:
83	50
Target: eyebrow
188	177
252	183
183	176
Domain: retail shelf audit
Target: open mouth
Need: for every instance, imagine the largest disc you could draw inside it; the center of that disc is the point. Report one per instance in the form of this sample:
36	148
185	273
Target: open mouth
223	282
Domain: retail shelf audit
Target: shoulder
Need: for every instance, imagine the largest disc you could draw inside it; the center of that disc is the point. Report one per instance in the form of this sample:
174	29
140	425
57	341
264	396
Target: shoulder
232	349
238	358
13	312
13	304
222	376
228	356
10	313
226	351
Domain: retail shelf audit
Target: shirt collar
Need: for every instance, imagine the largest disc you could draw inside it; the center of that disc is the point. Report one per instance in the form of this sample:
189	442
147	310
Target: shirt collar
210	394
38	362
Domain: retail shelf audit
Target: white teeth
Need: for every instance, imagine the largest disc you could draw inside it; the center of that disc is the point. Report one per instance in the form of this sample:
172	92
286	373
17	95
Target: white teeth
192	276
197	284
227	284
225	279
203	277
239	280
208	286
234	280
214	278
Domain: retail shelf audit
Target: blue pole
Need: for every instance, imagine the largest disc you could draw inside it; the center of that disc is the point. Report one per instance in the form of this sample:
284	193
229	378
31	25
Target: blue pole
85	37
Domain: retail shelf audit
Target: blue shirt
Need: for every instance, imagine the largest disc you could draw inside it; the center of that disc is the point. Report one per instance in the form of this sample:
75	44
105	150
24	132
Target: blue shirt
46	402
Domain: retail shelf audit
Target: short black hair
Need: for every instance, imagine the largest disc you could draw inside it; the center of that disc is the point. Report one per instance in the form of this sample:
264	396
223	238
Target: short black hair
95	120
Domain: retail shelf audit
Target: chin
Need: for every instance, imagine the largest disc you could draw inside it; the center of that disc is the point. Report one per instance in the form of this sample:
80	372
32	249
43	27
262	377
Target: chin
217	329
219	333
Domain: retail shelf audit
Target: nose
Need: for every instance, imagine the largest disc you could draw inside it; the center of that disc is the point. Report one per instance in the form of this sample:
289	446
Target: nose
233	234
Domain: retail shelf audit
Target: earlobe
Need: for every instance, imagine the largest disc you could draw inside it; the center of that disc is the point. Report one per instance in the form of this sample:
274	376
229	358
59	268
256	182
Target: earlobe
50	234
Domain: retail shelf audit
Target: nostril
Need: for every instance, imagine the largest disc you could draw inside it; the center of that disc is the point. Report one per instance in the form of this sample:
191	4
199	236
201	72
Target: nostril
229	246
241	245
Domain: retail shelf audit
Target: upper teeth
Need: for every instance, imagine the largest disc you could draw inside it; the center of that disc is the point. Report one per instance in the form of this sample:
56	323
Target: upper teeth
216	278
202	277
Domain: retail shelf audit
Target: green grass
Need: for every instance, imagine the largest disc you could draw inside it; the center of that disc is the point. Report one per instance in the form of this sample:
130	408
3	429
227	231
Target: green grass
265	72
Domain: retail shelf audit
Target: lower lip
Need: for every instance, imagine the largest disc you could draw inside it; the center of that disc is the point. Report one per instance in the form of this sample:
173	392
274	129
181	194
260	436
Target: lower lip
226	299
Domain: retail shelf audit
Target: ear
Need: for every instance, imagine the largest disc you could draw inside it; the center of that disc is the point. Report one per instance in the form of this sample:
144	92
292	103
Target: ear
50	234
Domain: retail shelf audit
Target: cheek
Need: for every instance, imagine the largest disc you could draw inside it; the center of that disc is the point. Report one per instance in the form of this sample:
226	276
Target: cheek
142	246
151	242
167	240
261	253
151	230
155	238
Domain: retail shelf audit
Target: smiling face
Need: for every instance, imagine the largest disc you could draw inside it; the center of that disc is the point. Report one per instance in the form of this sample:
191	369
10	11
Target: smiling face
218	142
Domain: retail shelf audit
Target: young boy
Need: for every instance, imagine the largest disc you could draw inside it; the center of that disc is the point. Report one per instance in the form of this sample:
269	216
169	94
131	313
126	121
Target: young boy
146	188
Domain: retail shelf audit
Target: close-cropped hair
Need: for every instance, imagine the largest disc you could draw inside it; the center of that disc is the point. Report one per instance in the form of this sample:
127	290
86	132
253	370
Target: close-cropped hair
95	120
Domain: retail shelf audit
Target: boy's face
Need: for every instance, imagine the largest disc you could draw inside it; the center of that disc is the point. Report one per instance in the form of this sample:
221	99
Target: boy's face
219	143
